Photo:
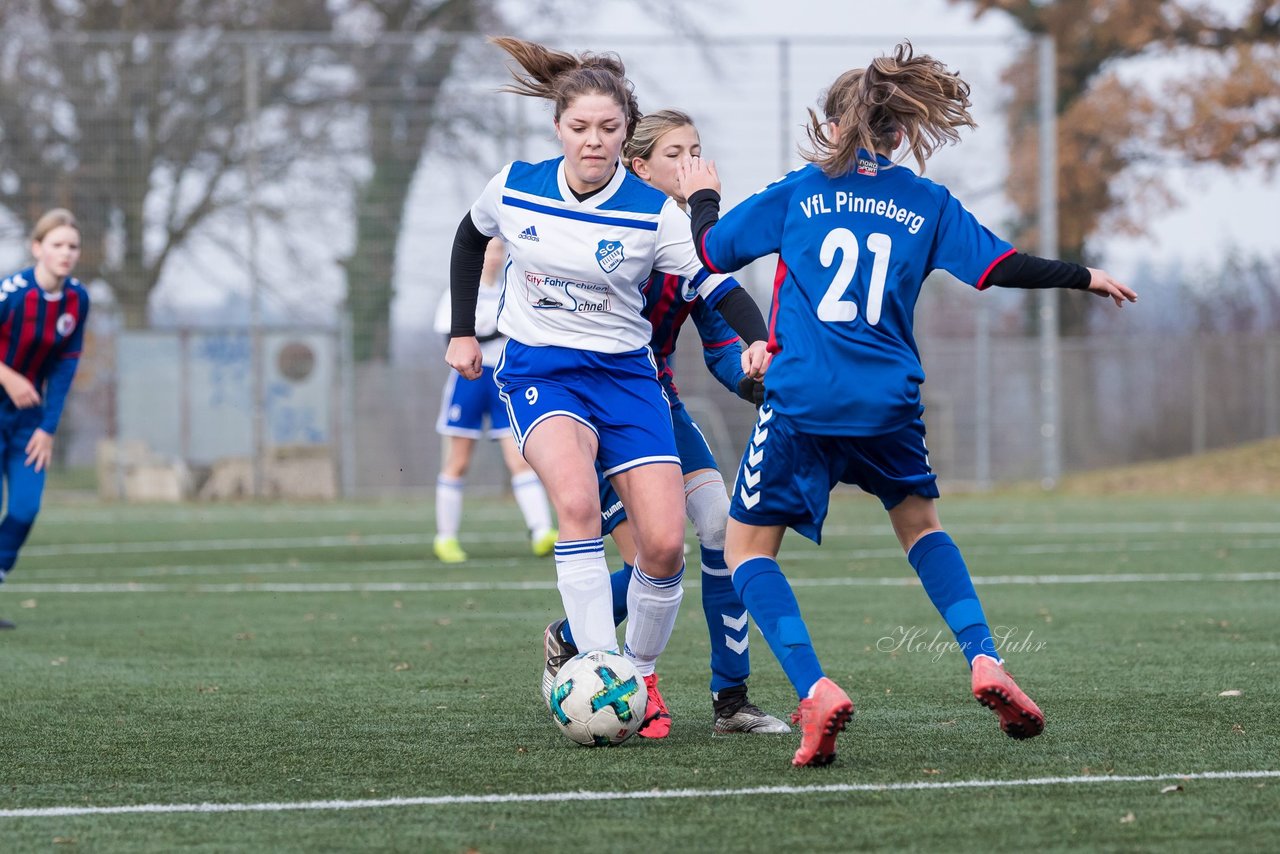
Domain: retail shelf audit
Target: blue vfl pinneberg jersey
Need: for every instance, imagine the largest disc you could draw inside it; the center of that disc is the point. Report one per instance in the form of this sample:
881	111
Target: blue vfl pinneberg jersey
854	252
577	269
671	300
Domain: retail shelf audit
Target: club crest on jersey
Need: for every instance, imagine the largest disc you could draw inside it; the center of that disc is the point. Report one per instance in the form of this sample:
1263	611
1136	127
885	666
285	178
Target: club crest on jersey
66	324
868	167
690	290
609	255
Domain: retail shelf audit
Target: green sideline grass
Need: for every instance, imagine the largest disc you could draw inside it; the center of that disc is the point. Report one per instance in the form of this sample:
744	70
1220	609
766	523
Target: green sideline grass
191	692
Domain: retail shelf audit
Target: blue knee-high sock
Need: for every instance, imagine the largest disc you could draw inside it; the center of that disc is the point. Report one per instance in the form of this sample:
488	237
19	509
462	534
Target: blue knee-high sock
767	595
619	581
13	533
726	623
938	562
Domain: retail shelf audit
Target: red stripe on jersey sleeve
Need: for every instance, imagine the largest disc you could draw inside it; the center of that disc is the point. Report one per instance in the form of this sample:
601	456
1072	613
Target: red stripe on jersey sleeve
779	277
718	344
705	260
982	282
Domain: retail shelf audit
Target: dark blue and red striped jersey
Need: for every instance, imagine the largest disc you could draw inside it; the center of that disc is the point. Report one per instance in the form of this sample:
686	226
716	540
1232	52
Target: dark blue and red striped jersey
41	336
671	300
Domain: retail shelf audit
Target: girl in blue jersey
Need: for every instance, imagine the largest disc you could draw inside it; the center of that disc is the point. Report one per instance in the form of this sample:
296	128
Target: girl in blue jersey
856	234
464	408
652	152
577	375
42	315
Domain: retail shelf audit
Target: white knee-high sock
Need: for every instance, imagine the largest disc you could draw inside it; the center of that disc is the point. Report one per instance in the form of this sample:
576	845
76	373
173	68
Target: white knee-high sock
532	499
449	505
582	575
652	606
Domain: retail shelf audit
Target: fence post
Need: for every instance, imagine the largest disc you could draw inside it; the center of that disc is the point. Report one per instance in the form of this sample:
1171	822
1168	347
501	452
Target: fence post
1199	397
982	395
1270	401
252	89
1050	367
346	406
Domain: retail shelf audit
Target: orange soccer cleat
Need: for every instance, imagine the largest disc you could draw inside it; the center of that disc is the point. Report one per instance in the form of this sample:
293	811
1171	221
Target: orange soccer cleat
994	688
821	716
657	721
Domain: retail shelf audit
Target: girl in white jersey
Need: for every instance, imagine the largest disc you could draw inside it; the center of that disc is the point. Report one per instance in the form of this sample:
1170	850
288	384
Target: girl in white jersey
577	375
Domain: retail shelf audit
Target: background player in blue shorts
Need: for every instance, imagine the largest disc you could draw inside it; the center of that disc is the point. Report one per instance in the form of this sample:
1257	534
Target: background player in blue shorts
43	311
655	147
464	409
856	234
583	236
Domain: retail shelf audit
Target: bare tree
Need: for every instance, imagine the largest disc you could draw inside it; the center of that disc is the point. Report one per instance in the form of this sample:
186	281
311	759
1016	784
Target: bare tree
1109	122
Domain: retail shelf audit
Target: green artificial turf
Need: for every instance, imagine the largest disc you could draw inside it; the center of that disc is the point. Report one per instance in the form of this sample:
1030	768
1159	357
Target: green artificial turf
284	654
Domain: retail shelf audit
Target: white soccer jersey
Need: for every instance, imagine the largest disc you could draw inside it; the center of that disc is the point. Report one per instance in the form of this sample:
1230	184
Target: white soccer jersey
487	305
576	269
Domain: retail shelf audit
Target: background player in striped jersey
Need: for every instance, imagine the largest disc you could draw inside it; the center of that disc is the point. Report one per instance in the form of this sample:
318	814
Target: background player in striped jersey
464	408
42	315
655	147
857	234
577	374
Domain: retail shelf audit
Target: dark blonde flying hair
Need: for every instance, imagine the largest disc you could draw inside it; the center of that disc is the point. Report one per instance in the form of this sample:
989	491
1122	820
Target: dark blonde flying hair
915	96
561	77
649	130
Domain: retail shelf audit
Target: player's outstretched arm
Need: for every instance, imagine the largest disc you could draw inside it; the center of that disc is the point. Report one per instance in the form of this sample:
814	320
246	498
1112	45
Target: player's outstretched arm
1102	284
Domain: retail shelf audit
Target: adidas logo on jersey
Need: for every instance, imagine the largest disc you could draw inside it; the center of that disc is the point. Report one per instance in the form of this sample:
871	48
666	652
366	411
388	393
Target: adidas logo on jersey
529	233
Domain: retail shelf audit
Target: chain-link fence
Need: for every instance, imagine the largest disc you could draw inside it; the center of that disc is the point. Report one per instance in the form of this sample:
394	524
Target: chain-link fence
239	191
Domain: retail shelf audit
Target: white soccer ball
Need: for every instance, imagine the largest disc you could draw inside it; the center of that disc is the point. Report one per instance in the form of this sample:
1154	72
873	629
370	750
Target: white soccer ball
598	699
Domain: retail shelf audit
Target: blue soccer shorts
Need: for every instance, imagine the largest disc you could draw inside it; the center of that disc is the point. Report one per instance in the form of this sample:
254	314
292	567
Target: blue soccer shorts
616	395
786	476
466	405
695	455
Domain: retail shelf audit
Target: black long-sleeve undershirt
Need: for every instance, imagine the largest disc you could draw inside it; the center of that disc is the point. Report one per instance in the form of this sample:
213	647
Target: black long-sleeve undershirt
1033	272
704	212
466	265
1017	270
742	314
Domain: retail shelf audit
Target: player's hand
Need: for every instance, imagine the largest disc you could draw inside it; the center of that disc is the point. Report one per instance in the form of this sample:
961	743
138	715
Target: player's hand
752	391
1101	283
463	356
755	360
694	174
20	390
40	449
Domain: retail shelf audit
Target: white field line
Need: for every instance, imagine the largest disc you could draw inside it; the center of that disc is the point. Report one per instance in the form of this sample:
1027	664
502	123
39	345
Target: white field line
490	586
828	552
647	795
492	508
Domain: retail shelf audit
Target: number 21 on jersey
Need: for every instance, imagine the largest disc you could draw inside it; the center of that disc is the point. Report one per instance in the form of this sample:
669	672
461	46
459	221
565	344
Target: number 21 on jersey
834	308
